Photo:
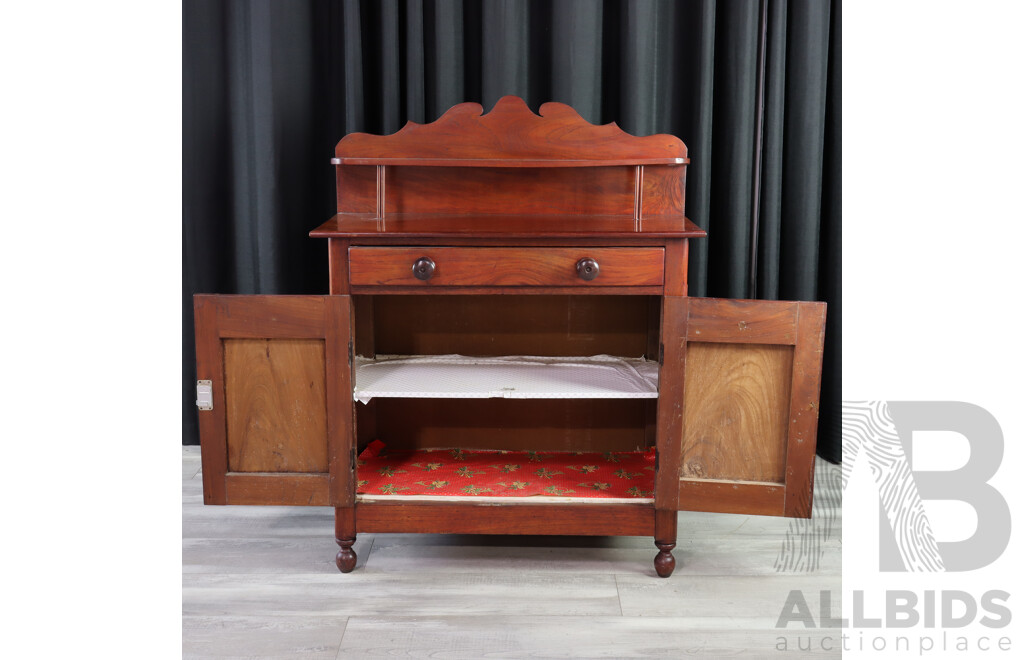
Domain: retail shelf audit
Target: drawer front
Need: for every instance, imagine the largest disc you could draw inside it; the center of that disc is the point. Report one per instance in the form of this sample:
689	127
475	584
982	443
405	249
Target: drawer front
455	266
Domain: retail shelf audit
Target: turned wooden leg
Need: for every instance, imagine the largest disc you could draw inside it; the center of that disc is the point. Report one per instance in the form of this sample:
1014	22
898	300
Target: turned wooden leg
346	559
664	563
665	539
345	535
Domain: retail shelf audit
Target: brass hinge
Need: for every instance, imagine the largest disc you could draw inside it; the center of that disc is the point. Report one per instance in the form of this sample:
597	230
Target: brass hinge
204	394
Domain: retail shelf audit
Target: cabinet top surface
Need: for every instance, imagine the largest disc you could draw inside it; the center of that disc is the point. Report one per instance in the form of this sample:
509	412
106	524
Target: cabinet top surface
426	226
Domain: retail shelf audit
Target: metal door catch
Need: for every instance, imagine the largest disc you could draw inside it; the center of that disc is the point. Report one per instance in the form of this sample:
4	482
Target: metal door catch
204	394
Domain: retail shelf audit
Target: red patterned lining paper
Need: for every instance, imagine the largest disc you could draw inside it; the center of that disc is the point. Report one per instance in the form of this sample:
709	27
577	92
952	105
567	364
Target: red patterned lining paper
493	473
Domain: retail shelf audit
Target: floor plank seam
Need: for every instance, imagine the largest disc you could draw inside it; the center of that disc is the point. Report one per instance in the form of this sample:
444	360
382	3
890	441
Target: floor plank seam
341	641
369	551
618	592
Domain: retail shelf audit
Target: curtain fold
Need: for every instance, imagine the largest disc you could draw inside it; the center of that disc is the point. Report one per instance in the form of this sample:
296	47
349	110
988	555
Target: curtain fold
270	88
733	147
830	251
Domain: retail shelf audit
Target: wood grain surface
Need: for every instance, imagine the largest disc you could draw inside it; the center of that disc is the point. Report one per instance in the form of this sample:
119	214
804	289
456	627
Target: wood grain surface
758	499
337	266
506	266
671	384
512	325
262	317
736	408
499	226
276	405
803	411
677	251
281	418
531	191
341	430
509	424
753	372
278	488
462	518
503	290
212	423
511	132
742	321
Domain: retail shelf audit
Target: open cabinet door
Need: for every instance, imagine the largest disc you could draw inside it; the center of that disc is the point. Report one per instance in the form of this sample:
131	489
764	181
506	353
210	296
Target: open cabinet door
752	370
276	429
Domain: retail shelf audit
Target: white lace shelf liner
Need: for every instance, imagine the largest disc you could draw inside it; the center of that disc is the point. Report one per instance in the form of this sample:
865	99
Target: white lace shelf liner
509	377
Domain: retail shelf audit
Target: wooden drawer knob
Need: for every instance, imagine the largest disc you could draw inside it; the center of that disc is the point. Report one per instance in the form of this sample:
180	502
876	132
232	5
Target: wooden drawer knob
423	269
587	269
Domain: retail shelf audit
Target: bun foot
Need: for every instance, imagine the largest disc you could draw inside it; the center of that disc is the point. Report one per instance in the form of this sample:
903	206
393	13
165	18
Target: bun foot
664	563
346	559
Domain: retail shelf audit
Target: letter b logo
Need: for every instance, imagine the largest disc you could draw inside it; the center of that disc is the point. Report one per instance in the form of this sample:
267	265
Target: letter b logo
882	432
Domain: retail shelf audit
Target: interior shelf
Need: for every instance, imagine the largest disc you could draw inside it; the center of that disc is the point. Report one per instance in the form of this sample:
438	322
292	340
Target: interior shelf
509	377
486	475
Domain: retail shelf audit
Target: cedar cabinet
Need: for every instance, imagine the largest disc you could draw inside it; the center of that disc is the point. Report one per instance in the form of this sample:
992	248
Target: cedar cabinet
509	234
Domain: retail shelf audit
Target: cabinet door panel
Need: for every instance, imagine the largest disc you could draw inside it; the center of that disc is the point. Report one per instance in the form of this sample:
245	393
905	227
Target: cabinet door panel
279	429
276	398
736	398
751	377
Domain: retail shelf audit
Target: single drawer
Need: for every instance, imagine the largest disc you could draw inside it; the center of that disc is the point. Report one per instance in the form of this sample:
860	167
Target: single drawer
456	266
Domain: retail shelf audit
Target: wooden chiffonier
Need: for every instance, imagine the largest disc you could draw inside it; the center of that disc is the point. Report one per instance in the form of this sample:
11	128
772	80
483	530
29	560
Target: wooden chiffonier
508	334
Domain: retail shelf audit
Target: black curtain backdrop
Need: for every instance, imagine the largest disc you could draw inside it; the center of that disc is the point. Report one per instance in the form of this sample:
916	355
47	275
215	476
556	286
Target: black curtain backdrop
270	87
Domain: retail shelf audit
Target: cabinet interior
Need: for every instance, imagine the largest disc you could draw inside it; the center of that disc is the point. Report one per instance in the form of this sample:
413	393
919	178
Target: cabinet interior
503	325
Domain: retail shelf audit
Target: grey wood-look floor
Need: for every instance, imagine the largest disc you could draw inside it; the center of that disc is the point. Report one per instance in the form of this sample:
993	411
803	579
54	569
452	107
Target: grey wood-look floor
260	582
